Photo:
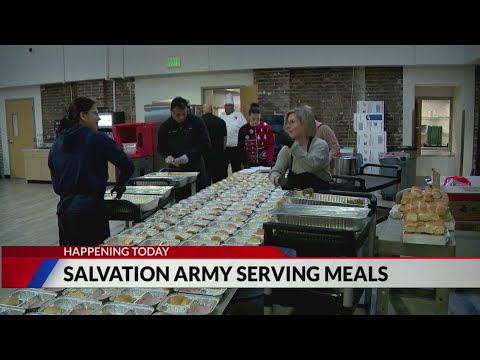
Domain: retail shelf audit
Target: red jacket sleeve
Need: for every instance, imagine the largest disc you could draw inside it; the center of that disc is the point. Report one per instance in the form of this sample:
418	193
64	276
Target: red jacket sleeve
270	143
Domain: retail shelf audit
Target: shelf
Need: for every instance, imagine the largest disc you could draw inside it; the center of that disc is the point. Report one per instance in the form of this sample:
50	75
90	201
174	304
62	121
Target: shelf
435	117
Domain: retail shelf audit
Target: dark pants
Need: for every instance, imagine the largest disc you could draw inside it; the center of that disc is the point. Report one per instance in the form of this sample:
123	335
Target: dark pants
216	169
232	156
82	229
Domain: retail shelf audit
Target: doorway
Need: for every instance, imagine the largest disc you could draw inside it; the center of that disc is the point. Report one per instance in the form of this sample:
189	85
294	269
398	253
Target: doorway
435	123
243	96
20	133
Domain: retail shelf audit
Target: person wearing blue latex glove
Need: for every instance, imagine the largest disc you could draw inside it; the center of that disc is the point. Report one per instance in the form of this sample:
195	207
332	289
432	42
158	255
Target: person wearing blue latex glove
78	163
182	160
185	137
119	190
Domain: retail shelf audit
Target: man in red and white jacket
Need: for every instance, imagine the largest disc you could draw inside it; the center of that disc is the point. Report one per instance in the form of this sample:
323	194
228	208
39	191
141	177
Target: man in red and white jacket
255	140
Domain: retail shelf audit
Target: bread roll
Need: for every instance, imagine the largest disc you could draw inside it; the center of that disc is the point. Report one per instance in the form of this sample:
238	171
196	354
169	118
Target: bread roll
409	226
441	209
216	238
414	207
439	227
428	197
420	227
406	197
436	193
412	216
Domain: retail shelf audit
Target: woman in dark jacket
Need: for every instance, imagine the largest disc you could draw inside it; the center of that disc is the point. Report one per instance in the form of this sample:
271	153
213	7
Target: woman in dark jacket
78	162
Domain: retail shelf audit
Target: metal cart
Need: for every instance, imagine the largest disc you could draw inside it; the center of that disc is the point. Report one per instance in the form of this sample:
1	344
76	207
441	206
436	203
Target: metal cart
322	237
135	207
362	182
192	176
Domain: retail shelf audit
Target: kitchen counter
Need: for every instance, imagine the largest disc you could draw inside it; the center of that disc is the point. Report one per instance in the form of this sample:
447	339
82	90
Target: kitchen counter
442	153
36	166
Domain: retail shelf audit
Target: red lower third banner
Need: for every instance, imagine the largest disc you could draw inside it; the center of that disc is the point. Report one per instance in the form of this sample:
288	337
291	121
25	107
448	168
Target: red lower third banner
223	267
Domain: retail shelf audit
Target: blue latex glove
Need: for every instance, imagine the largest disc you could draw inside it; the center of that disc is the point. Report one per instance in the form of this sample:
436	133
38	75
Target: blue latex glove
119	189
182	160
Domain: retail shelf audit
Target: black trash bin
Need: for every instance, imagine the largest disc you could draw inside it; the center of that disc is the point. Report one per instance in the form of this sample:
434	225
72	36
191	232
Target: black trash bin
394	158
411	175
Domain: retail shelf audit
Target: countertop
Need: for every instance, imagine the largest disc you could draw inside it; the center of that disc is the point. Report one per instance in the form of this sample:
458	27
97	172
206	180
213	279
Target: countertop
41	150
439	153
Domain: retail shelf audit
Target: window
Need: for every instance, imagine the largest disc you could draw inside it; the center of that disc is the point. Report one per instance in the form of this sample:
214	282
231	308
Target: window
436	120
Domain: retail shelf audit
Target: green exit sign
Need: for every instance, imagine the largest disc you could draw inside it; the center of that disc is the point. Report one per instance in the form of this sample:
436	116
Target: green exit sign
173	61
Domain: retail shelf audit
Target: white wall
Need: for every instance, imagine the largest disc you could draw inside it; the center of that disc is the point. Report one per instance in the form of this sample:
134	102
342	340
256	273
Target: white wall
115	56
85	62
19	67
445	165
223	57
461	76
46	64
150	60
457	131
188	86
18	93
439	54
472	54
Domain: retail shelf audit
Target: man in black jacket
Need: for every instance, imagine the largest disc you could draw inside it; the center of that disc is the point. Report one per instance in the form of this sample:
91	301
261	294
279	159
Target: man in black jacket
214	159
184	137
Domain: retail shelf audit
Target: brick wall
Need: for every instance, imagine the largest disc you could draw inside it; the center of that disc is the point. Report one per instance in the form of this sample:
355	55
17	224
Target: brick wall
333	93
57	97
476	118
274	90
386	83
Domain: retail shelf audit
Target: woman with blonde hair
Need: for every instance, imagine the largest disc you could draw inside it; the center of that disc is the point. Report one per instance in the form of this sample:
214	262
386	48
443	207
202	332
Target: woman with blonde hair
305	156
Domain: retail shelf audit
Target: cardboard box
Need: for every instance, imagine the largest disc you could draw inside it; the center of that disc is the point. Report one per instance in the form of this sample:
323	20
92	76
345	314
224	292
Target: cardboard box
464	202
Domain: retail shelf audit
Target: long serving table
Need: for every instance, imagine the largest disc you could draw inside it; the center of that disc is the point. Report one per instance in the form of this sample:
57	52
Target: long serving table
389	243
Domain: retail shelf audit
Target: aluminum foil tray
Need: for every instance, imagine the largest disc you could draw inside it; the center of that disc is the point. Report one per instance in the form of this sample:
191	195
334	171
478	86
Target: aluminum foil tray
188	304
123	309
192	175
11	310
178	181
332	217
202	291
145	202
138	232
29	299
99	294
199	243
159	242
66	305
139	296
123	240
297	197
164	191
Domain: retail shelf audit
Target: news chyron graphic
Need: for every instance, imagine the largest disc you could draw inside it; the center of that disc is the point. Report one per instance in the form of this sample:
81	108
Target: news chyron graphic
230	267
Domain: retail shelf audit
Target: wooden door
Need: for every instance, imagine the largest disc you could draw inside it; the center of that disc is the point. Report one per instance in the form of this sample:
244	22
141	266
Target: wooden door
20	133
417	124
248	94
